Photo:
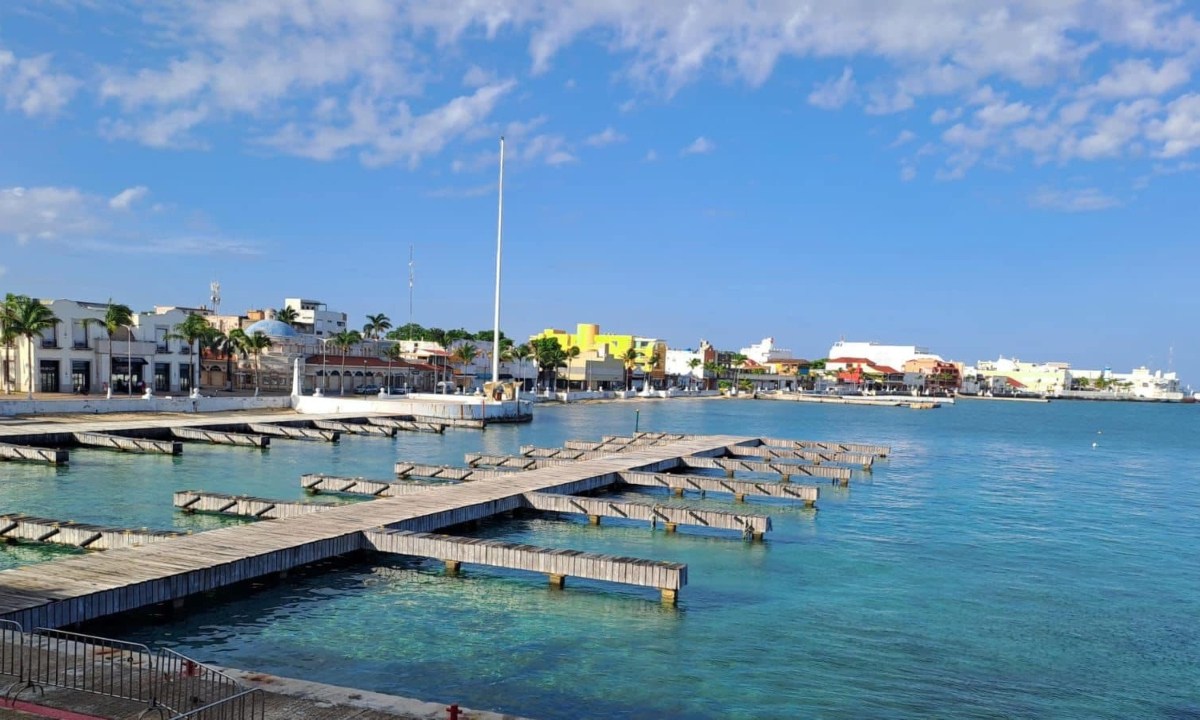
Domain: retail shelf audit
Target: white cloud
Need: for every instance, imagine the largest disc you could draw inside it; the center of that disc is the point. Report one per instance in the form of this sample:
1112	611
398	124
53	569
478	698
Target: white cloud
905	137
699	146
1179	131
627	106
29	85
835	92
908	172
126	198
607	136
942	115
1138	78
44	213
66	216
1111	135
1080	200
651	156
478	77
560	157
462	192
3	270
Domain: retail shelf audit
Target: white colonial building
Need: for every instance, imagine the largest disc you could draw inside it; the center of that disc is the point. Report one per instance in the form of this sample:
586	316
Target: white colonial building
766	352
78	356
886	355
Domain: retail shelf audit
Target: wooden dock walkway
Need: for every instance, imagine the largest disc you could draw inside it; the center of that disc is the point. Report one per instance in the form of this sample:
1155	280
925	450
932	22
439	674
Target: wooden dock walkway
54	456
405	469
81	588
355	428
221	437
193	501
316	483
294	433
127	444
670	516
877	450
816	457
679	483
80	535
408	424
786	471
667	577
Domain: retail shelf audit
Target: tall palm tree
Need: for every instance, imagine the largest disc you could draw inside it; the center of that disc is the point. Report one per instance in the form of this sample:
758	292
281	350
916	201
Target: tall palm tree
7	338
737	361
630	357
116	316
343	341
713	368
28	318
192	330
464	354
287	314
569	354
692	365
393	354
255	344
652	361
521	354
376	326
548	354
224	344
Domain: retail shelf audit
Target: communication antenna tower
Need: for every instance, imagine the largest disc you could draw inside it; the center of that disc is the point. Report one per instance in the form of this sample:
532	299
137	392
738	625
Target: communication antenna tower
214	289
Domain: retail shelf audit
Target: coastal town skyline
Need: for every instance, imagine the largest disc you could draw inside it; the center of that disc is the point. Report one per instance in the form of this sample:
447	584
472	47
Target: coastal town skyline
685	180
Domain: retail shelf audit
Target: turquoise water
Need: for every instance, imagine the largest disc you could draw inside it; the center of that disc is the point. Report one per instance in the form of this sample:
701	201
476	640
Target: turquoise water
998	565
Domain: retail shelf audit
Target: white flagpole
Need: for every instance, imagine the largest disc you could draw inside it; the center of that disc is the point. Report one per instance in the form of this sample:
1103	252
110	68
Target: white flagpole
499	245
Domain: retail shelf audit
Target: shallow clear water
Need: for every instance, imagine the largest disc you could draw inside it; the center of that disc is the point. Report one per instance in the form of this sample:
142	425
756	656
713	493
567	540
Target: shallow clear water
998	565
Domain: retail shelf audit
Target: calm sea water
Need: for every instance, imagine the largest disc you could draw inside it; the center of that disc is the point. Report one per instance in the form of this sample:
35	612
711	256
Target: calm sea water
997	565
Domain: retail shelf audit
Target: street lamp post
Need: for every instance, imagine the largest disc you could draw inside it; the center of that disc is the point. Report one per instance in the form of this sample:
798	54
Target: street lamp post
129	360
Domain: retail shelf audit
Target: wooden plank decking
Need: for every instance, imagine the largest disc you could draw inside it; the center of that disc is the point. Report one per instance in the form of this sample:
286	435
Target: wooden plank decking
81	535
221	437
54	456
81	588
128	444
355	428
294	433
244	505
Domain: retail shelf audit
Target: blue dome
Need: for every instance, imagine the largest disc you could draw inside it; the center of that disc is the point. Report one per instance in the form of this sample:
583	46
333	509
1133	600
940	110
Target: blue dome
272	328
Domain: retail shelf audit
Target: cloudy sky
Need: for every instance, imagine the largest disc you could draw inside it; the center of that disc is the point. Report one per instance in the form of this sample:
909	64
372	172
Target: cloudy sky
981	177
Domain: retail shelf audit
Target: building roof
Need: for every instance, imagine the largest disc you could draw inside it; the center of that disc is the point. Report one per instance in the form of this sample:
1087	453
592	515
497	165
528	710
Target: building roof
272	328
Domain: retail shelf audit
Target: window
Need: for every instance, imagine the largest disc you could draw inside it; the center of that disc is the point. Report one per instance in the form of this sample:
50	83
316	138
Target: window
50	338
79	337
160	339
162	377
48	375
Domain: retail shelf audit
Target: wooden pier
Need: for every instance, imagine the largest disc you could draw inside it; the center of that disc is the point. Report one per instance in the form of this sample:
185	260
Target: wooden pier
127	444
558	565
660	437
786	471
85	587
740	489
581	450
80	535
443	472
54	456
355	428
294	433
318	483
408	424
221	437
193	501
670	516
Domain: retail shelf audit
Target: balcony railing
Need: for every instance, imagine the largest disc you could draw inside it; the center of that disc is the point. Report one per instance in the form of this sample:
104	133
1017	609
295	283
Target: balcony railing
80	344
49	344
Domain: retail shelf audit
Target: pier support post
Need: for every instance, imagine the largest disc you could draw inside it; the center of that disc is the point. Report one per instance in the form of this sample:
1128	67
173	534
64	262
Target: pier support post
677	491
810	504
669	596
557	581
784	477
177	604
756	537
452	567
593	519
739	497
729	473
671	527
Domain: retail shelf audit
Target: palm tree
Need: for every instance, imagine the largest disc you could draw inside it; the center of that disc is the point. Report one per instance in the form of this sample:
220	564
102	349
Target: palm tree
345	340
287	314
521	354
116	316
548	354
713	368
569	354
737	360
464	354
630	358
692	365
225	344
376	326
652	361
393	354
28	318
255	344
192	330
7	336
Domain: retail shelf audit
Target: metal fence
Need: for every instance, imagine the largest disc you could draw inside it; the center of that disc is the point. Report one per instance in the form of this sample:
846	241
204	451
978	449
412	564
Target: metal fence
166	682
246	705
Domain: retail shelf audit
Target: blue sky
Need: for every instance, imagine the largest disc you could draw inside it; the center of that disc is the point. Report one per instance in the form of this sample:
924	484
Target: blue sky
982	178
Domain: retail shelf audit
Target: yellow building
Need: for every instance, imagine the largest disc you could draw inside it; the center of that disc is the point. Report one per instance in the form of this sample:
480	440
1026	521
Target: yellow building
594	344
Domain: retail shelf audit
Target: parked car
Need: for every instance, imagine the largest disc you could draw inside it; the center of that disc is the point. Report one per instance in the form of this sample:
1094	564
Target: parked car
366	390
